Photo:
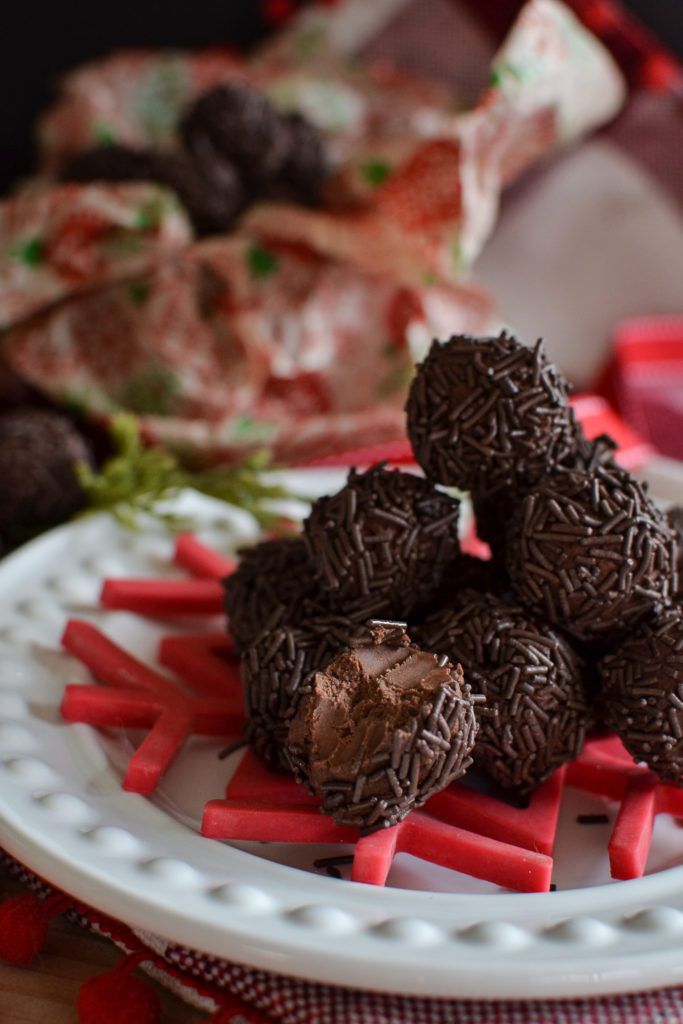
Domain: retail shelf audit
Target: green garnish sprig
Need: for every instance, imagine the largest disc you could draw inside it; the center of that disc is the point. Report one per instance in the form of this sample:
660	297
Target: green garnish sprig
137	479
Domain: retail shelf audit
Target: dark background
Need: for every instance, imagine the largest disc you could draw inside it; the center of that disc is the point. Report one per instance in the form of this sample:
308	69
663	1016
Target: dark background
41	38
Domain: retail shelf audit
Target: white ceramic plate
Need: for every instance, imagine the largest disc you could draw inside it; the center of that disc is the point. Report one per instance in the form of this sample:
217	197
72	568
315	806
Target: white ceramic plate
430	932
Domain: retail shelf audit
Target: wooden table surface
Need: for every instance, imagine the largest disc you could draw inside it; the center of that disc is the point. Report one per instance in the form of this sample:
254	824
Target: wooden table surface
45	992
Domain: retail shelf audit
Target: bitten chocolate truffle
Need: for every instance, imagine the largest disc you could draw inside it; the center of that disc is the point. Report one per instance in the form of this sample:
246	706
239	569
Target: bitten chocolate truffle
268	588
380	544
39	450
536	711
381	729
591	553
486	414
278	663
643	691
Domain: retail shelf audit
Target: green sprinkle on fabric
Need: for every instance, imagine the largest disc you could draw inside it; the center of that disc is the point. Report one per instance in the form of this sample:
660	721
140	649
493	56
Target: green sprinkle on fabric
104	134
150	214
31	253
138	292
261	262
375	172
397	379
503	71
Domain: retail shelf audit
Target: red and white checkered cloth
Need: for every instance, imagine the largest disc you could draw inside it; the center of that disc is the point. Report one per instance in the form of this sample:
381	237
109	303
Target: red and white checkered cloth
210	983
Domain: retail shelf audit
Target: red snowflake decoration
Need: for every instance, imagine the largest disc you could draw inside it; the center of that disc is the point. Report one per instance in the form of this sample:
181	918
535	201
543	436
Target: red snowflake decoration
458	828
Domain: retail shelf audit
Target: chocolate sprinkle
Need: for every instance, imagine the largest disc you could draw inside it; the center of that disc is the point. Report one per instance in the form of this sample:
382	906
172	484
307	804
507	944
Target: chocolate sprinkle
674	517
268	588
536	711
331	865
592	553
380	544
382	729
643	694
486	414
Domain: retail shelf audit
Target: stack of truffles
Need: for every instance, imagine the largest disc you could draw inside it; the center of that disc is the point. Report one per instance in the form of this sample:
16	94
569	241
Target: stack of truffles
380	662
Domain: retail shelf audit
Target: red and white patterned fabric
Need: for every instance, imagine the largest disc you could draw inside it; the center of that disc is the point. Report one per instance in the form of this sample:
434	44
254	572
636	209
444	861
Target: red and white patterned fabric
64	240
299	330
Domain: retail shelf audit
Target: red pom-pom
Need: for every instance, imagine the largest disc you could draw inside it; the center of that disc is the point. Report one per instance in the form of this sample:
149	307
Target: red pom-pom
117	998
276	12
23	929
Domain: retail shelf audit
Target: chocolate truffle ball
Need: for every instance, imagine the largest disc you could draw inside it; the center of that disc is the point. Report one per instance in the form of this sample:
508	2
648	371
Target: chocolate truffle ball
239	124
643	691
307	167
674	517
109	163
381	729
272	581
486	414
381	543
278	662
39	450
536	711
591	553
211	192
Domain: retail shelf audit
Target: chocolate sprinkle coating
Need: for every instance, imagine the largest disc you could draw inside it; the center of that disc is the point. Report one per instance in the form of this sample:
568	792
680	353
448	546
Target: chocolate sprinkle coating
643	687
381	543
381	729
591	553
674	517
486	414
278	663
39	449
268	588
536	712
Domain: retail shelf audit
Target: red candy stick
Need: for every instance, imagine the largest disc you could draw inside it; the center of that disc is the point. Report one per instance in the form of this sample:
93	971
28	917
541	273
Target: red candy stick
629	844
205	661
374	855
451	847
255	782
532	827
201	561
603	767
141	699
160	598
277	823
